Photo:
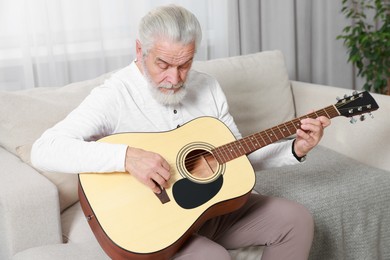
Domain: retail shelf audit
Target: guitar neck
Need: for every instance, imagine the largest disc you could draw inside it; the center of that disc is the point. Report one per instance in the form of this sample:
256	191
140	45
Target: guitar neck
258	140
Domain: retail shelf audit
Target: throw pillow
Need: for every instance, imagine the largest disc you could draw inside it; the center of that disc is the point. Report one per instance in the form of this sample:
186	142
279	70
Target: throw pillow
26	114
257	89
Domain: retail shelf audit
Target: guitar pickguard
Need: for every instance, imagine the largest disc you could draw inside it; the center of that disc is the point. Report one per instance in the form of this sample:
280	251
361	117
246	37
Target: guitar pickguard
190	194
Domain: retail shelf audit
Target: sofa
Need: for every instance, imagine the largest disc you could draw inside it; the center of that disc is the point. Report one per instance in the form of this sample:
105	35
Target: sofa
344	182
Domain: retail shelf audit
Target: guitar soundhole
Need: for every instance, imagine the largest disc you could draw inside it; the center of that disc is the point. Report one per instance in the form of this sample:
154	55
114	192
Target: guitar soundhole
201	164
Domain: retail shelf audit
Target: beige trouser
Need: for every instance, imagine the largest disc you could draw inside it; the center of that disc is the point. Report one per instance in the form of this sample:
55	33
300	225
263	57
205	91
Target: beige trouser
285	227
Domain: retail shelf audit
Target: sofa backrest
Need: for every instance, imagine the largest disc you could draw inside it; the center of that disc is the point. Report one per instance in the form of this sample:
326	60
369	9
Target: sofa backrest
256	86
26	114
257	89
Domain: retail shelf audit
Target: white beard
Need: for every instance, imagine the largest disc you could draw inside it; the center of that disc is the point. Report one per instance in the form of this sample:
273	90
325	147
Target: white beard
169	97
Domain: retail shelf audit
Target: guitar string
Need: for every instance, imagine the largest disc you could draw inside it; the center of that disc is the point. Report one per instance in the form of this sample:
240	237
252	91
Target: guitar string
192	160
329	112
265	136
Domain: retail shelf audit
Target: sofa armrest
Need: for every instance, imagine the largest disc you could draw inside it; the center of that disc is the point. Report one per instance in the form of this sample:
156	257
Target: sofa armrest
366	141
29	207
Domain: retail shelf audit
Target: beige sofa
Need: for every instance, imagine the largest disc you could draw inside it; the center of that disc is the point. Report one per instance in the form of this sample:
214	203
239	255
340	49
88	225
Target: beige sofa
344	182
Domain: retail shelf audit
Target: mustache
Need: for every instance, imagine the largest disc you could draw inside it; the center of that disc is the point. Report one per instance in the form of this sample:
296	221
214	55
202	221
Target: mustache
171	86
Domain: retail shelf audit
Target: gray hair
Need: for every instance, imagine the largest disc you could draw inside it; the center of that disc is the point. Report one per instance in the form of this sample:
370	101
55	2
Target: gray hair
172	23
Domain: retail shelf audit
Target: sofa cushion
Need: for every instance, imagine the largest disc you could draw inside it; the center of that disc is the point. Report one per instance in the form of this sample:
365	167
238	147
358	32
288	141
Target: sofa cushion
75	228
348	199
81	251
257	89
26	114
80	243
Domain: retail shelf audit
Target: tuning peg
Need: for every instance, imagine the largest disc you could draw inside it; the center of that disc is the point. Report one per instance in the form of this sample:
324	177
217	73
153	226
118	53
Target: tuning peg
371	115
338	98
353	120
362	118
345	96
355	92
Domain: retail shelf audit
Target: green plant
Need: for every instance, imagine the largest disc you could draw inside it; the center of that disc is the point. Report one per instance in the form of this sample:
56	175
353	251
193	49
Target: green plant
368	41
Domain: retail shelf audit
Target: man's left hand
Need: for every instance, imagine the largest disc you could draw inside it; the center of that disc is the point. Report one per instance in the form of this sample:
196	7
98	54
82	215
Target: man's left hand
310	134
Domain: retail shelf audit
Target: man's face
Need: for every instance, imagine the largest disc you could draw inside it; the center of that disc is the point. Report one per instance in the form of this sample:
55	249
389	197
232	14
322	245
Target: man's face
166	67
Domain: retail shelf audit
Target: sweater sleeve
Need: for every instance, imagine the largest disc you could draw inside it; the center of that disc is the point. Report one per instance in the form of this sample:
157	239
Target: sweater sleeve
271	156
70	145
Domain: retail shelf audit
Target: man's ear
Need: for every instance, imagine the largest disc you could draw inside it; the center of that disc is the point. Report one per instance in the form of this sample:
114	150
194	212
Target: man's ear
138	50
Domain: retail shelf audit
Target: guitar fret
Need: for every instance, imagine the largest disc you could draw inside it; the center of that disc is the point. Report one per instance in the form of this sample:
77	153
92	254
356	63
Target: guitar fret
226	151
232	150
261	136
257	137
326	113
270	140
251	143
260	142
288	129
216	155
273	134
283	132
269	135
223	154
249	149
240	148
256	142
280	131
297	125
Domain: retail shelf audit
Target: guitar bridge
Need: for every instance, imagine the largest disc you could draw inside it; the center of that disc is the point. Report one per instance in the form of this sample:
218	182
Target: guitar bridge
163	196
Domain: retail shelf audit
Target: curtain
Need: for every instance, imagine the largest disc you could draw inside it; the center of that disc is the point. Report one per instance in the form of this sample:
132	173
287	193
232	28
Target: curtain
305	31
56	42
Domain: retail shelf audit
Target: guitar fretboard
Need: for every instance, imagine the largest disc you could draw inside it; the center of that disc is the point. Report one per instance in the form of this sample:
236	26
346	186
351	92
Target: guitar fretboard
258	140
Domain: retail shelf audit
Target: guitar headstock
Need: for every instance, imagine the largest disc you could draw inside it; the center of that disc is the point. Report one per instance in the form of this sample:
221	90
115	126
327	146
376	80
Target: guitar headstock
356	104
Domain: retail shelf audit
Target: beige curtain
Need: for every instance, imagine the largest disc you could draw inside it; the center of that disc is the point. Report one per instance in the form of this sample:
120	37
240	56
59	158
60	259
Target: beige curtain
53	43
304	30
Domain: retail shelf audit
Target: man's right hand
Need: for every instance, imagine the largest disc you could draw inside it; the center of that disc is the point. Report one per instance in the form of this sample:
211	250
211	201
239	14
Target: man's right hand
149	168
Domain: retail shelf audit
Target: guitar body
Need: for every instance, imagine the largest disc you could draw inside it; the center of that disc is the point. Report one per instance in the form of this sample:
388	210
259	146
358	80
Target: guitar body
210	176
131	222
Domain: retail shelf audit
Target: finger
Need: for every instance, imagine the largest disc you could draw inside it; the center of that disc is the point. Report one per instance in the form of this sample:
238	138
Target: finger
153	186
310	138
321	120
165	164
312	129
324	121
313	121
303	135
159	180
164	170
162	167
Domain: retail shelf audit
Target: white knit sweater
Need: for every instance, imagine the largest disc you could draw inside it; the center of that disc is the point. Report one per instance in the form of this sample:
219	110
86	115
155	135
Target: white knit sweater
124	104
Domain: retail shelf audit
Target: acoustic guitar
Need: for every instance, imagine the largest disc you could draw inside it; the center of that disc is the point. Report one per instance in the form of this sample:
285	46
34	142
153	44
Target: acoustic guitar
210	176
